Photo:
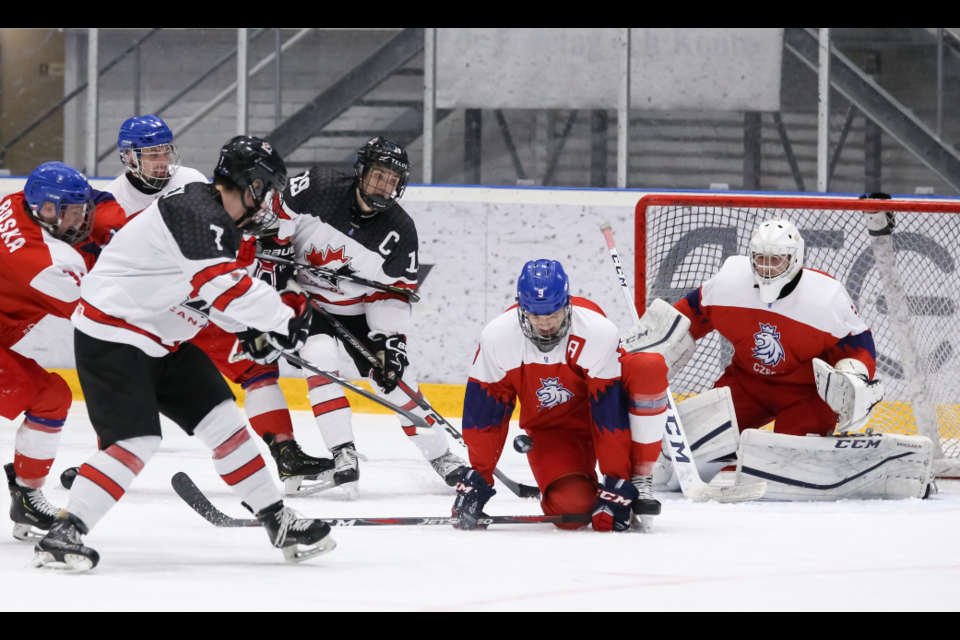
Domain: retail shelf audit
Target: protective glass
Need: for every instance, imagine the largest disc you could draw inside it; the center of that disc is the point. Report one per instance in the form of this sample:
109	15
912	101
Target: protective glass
155	166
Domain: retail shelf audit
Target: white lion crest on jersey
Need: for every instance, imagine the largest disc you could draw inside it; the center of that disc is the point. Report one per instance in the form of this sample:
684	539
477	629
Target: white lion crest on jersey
552	393
768	351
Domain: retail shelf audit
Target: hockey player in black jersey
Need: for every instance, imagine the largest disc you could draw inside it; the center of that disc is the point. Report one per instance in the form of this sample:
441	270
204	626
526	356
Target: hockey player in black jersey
353	225
165	275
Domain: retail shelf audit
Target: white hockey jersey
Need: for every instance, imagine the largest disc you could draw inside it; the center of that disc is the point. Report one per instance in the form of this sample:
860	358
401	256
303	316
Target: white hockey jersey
134	201
169	272
318	204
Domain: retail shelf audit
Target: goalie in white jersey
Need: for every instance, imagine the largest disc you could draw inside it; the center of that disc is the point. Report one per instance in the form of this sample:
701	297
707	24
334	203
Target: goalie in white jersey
354	226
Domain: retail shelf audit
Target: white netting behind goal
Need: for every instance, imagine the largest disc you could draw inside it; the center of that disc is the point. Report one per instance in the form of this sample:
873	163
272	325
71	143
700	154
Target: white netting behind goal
687	239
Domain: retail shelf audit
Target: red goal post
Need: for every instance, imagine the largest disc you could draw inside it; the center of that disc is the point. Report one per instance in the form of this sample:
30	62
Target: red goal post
906	287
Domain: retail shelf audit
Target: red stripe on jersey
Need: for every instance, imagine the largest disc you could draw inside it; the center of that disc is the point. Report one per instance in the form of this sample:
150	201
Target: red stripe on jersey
382	295
245	471
221	303
100	317
315	382
101	480
409	406
337	303
232	444
330	405
127	459
208	274
586	304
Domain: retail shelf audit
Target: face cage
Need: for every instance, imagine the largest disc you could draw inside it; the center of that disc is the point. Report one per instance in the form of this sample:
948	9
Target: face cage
789	254
73	235
376	202
136	167
264	215
545	344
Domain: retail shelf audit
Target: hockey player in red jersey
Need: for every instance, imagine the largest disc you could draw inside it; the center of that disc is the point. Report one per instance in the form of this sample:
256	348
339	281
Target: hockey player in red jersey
785	323
581	403
51	232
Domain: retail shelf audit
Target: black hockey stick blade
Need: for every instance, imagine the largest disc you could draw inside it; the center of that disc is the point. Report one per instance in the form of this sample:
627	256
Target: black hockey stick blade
192	495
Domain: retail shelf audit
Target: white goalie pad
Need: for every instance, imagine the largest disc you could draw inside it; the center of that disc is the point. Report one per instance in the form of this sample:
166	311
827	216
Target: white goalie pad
848	391
663	330
711	427
862	467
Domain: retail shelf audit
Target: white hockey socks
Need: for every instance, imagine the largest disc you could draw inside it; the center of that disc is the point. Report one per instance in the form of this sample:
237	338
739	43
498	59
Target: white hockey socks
35	448
331	409
236	457
267	410
432	444
105	477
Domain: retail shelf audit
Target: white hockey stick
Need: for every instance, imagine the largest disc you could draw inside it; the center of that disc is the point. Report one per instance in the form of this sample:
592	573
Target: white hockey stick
678	447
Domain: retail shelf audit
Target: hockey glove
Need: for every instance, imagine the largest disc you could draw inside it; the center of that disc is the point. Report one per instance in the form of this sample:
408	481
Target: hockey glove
298	328
255	347
612	509
473	493
392	352
248	251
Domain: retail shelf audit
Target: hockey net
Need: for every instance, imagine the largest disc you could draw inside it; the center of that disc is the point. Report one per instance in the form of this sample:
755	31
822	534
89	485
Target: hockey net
907	290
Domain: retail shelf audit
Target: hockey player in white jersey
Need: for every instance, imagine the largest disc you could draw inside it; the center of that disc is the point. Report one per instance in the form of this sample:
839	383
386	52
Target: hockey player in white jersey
354	225
165	275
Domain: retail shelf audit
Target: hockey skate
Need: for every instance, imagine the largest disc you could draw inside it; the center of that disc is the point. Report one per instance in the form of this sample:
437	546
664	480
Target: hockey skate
347	473
299	538
295	467
62	549
29	509
449	467
646	506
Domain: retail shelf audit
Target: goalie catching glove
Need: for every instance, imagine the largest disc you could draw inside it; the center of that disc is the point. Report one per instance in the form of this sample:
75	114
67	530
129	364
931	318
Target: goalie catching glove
266	348
663	330
848	390
392	354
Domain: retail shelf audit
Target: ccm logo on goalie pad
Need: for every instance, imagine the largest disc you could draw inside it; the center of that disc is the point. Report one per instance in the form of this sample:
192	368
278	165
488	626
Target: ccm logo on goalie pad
858	444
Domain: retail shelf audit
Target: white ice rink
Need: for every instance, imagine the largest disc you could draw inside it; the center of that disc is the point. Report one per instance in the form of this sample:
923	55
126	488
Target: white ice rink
157	554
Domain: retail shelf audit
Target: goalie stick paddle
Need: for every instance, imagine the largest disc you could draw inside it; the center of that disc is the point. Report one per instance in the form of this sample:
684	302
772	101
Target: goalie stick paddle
195	499
518	489
691	484
326	274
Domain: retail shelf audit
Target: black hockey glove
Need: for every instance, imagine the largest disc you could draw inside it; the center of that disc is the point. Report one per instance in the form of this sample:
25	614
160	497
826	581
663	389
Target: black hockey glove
392	352
255	347
473	493
612	509
298	328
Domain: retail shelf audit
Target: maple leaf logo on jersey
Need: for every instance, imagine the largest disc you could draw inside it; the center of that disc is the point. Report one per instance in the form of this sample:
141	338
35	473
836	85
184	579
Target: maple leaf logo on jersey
552	393
768	351
333	260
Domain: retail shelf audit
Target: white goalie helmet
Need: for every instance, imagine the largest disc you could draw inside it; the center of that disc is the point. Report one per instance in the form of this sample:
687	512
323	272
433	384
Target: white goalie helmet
776	257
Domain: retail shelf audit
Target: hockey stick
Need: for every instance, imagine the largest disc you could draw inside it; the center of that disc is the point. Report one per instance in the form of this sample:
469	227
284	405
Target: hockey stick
327	274
518	489
195	499
691	484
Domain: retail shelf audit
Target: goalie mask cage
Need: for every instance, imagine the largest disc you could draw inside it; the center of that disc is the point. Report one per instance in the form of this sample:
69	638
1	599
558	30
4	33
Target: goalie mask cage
905	286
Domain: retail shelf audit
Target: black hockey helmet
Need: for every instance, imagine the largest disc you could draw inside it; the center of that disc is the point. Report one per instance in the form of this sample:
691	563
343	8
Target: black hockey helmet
380	195
253	165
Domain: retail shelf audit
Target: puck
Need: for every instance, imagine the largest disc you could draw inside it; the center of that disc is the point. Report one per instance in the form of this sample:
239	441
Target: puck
68	476
522	444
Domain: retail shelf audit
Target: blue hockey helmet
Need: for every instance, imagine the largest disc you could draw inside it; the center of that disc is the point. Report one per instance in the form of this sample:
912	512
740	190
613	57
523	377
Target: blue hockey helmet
51	190
543	294
147	150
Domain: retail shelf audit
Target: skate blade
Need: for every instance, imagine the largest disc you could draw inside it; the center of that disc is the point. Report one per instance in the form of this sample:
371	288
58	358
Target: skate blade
294	486
300	553
641	524
352	489
25	533
72	563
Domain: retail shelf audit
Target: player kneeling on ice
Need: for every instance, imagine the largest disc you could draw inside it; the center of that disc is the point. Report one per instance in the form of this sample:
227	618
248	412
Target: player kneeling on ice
581	403
167	273
804	358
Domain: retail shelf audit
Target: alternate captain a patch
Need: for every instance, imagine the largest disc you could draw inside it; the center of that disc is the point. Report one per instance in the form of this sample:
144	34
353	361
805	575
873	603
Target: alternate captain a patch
768	351
552	394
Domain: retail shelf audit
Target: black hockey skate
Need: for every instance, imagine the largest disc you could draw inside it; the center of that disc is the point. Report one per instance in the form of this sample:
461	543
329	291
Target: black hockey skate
299	538
62	548
449	467
347	474
29	509
295	467
646	506
68	476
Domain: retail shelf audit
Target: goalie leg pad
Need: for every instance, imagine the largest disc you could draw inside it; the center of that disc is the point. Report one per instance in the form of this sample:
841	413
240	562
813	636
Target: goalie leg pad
710	423
878	466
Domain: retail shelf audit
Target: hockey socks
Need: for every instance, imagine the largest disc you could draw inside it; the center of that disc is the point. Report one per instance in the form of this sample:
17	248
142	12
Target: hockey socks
267	409
644	378
36	447
236	457
331	409
433	444
105	477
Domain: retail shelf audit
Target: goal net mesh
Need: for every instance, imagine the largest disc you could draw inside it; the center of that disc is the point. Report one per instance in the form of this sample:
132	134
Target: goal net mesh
687	241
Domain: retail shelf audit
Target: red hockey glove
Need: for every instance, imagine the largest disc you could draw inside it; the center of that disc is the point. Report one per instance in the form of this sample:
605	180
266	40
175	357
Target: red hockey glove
612	509
248	251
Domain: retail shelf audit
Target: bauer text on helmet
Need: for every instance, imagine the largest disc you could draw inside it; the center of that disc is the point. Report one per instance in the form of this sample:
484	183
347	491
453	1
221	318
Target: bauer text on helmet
61	201
776	255
543	303
147	150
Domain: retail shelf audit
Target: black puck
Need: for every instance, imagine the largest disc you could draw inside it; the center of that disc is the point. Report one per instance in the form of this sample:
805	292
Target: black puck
68	476
522	444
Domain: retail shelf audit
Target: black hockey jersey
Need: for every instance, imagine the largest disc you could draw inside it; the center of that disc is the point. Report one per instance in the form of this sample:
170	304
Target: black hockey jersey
318	204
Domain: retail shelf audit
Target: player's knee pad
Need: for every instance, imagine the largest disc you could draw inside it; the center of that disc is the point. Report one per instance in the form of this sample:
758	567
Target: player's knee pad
323	352
570	494
884	466
54	399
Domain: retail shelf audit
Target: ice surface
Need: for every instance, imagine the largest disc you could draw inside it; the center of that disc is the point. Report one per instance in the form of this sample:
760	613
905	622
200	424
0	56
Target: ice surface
156	554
